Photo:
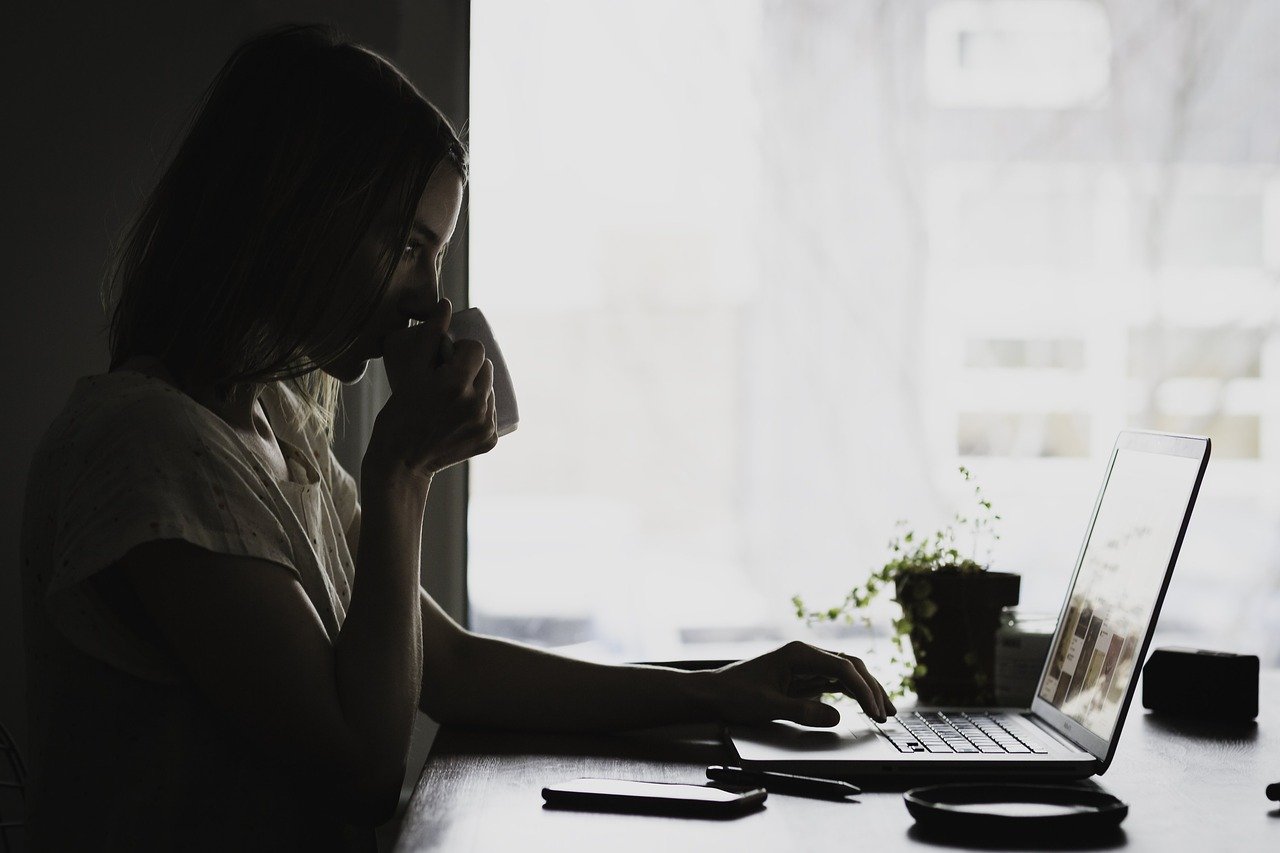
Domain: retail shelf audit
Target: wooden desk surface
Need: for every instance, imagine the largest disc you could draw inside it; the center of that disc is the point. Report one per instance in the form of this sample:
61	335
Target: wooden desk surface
1190	787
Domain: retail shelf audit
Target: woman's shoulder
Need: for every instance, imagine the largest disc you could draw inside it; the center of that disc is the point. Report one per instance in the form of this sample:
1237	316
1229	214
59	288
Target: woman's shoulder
109	403
128	414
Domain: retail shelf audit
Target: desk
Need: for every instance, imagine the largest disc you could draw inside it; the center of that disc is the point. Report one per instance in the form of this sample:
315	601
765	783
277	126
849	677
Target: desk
1190	787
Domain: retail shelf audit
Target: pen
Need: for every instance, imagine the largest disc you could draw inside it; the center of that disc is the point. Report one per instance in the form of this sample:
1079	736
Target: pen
784	783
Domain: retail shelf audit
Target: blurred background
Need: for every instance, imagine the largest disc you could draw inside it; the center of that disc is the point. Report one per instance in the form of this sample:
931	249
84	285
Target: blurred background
768	272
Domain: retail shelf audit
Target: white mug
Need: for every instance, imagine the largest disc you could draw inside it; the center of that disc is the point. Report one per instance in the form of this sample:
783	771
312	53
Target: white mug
470	324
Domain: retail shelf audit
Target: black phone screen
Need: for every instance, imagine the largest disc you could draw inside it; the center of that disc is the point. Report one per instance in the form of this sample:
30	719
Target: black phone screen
651	797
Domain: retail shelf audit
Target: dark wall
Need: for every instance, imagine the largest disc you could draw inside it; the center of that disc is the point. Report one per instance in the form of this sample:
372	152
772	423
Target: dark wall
94	94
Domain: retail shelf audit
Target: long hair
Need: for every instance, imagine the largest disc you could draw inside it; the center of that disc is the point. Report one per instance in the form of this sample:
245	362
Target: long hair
243	265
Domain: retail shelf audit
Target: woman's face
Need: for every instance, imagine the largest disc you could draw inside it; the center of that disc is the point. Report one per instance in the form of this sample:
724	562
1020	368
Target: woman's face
415	284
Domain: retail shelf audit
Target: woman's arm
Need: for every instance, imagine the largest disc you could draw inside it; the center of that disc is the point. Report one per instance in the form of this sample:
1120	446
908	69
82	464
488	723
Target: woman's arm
454	658
471	679
377	658
249	638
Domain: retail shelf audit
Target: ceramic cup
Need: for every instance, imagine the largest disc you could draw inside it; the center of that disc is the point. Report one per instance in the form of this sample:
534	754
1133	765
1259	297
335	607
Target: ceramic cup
470	324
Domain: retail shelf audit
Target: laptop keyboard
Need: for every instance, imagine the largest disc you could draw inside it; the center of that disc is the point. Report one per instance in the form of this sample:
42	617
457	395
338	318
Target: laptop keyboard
957	732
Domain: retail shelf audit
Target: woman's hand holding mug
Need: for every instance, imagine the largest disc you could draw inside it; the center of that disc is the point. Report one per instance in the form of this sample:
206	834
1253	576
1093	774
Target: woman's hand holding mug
442	410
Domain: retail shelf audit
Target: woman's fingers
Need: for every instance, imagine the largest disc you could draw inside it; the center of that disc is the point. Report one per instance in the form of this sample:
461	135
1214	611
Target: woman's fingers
886	703
483	382
468	359
786	683
483	402
808	713
442	408
813	686
413	351
871	680
436	315
809	686
809	659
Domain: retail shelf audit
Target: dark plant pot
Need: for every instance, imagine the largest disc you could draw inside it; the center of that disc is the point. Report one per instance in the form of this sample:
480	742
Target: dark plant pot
956	643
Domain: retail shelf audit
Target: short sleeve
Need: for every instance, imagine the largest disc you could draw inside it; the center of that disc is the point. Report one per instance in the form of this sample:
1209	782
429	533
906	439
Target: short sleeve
150	471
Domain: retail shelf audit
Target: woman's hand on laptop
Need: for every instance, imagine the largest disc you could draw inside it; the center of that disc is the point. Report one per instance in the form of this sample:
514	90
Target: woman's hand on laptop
785	685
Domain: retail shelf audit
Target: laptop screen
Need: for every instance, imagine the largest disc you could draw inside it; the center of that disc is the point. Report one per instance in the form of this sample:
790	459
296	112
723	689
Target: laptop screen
1119	579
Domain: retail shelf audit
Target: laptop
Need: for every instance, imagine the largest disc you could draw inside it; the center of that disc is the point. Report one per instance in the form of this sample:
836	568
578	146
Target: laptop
1088	680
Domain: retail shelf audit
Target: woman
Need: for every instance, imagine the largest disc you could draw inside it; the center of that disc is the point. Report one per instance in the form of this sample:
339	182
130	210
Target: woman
227	649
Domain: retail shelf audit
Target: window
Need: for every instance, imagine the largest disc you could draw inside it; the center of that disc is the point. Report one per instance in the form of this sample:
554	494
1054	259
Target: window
1008	353
767	273
1048	54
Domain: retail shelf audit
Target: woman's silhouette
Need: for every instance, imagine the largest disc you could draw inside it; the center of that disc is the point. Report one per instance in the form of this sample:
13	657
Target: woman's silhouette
227	648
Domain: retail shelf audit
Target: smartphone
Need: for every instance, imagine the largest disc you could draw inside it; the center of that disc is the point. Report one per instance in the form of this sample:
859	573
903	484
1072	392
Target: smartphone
620	795
471	323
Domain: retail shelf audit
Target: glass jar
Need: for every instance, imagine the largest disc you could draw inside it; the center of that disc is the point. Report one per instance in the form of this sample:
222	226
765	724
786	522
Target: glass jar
1022	644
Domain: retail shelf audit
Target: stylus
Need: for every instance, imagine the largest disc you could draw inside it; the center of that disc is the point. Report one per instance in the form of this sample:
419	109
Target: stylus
1273	791
784	783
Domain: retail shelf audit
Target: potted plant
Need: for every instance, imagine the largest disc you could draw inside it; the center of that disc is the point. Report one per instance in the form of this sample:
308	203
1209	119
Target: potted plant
950	606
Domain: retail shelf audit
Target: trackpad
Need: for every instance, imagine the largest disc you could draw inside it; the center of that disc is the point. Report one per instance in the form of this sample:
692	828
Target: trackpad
782	741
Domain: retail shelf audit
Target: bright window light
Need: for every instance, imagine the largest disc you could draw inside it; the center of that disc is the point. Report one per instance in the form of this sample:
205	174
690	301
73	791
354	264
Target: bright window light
767	273
1041	54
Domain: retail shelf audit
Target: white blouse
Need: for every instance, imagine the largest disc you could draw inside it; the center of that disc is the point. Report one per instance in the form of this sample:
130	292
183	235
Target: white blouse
126	754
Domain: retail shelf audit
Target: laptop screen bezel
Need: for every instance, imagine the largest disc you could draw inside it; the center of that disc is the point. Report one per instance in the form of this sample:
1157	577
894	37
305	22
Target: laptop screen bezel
1193	447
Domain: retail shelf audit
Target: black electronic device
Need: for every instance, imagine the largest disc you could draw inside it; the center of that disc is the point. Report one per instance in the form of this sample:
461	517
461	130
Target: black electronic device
1219	686
620	795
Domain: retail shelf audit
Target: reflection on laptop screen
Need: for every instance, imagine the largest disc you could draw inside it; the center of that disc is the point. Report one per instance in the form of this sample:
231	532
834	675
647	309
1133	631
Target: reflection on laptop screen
1121	572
